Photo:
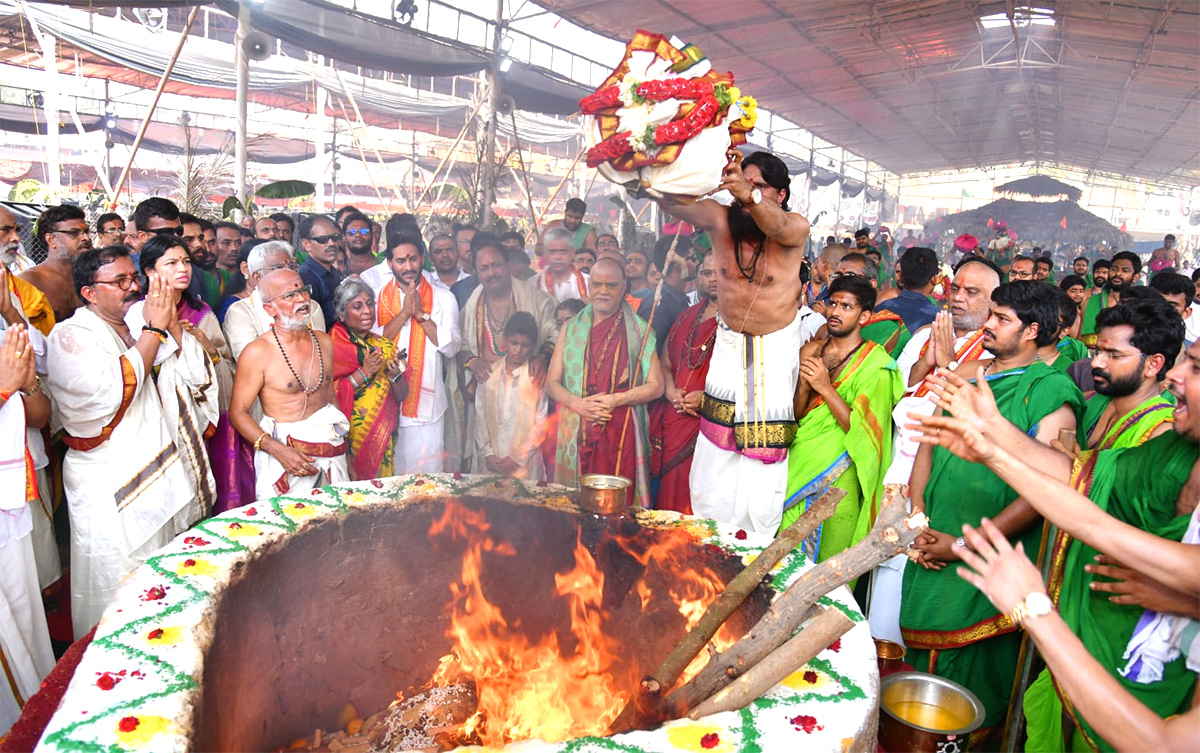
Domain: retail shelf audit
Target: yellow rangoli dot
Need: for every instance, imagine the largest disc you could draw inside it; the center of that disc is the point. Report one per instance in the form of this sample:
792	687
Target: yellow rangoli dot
243	531
689	736
147	728
797	680
299	510
194	566
168	637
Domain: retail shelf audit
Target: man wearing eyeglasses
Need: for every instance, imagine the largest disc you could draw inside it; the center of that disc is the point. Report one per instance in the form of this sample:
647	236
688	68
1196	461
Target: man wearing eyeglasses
123	476
110	230
63	232
318	238
154	216
246	318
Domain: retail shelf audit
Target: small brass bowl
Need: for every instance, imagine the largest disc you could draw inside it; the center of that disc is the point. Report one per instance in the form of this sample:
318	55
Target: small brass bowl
890	656
604	495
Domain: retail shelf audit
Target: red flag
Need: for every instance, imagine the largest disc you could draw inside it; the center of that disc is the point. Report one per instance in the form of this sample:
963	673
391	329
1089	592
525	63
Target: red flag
1122	227
1064	222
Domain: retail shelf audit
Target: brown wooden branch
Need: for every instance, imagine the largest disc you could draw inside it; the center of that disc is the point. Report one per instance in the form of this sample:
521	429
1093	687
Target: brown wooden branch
649	694
892	534
814	638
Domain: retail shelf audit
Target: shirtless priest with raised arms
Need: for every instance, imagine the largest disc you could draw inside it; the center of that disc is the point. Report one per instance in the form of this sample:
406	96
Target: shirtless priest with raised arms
739	470
300	442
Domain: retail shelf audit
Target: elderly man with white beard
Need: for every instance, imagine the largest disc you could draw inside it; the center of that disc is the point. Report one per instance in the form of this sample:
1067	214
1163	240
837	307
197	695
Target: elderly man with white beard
301	441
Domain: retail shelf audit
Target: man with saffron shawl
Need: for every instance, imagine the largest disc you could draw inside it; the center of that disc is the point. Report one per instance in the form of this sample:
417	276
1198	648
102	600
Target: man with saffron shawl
848	387
604	370
675	422
367	380
423	320
950	628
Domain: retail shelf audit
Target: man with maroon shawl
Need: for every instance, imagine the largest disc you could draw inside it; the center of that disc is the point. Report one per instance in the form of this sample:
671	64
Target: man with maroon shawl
602	375
675	422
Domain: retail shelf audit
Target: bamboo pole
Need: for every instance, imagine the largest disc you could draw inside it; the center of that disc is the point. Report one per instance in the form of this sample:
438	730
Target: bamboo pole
162	83
453	149
362	124
363	156
559	189
525	172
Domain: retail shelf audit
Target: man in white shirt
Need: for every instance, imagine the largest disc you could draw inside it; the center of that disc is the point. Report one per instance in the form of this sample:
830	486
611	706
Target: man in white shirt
246	319
560	279
423	322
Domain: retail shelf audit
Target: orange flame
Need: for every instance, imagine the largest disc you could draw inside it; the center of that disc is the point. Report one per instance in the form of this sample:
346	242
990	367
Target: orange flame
537	688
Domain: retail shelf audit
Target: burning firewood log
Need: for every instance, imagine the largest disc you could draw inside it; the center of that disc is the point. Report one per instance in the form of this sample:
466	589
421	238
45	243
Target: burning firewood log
814	638
423	720
643	702
894	532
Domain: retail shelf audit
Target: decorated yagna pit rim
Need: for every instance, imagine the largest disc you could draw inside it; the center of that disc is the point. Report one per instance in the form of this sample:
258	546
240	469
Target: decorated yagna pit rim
139	680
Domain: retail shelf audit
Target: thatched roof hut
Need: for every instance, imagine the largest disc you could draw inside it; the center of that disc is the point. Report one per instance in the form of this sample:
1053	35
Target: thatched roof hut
1039	187
1037	221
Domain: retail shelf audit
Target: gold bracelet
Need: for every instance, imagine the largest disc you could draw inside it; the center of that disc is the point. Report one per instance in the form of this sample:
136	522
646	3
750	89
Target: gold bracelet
36	388
258	442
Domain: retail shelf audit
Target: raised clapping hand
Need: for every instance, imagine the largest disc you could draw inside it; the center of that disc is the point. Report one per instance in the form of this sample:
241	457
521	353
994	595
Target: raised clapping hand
18	370
973	403
159	308
941	341
1004	574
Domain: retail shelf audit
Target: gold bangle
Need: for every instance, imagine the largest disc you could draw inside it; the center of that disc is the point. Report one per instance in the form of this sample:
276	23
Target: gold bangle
258	442
36	388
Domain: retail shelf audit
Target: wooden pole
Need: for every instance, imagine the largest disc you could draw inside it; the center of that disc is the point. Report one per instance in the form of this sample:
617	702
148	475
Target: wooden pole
736	592
525	172
559	189
362	125
162	83
363	156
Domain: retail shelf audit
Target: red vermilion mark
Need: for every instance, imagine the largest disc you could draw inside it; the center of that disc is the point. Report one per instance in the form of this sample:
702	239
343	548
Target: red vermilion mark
740	535
299	505
376	483
836	646
805	723
711	740
128	724
107	681
155	634
810	677
189	563
195	541
458	475
252	511
315	492
154	594
235	525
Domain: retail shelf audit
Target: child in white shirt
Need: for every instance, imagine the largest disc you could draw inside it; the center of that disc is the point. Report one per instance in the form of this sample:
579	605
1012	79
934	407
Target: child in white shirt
510	409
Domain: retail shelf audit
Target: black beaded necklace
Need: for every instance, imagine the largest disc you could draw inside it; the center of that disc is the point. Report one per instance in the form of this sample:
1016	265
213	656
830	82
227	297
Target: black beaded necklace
319	358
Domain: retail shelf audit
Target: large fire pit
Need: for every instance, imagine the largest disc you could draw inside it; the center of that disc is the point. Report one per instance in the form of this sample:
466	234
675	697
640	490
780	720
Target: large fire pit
258	627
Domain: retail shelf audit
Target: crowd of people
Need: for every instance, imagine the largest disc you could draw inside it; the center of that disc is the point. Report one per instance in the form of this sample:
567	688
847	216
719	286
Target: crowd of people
158	369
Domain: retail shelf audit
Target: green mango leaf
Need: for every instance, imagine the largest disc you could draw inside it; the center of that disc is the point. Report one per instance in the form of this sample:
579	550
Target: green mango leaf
286	189
29	191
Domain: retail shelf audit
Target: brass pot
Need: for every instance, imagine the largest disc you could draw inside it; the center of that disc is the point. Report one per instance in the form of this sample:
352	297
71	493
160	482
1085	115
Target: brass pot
890	656
924	713
604	495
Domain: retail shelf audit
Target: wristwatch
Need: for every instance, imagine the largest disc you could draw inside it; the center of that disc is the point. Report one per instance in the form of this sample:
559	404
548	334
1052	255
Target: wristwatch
952	365
755	196
1035	604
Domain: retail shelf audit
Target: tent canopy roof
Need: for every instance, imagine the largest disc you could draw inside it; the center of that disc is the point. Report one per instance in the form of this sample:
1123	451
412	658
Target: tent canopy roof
926	85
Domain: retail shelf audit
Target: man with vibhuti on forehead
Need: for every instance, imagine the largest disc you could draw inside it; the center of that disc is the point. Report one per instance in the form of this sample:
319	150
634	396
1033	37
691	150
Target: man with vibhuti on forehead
739	471
301	441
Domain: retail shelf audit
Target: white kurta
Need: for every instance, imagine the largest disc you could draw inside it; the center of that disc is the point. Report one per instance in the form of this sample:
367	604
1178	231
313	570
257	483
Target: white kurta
510	412
129	494
420	439
45	548
565	290
246	320
24	639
